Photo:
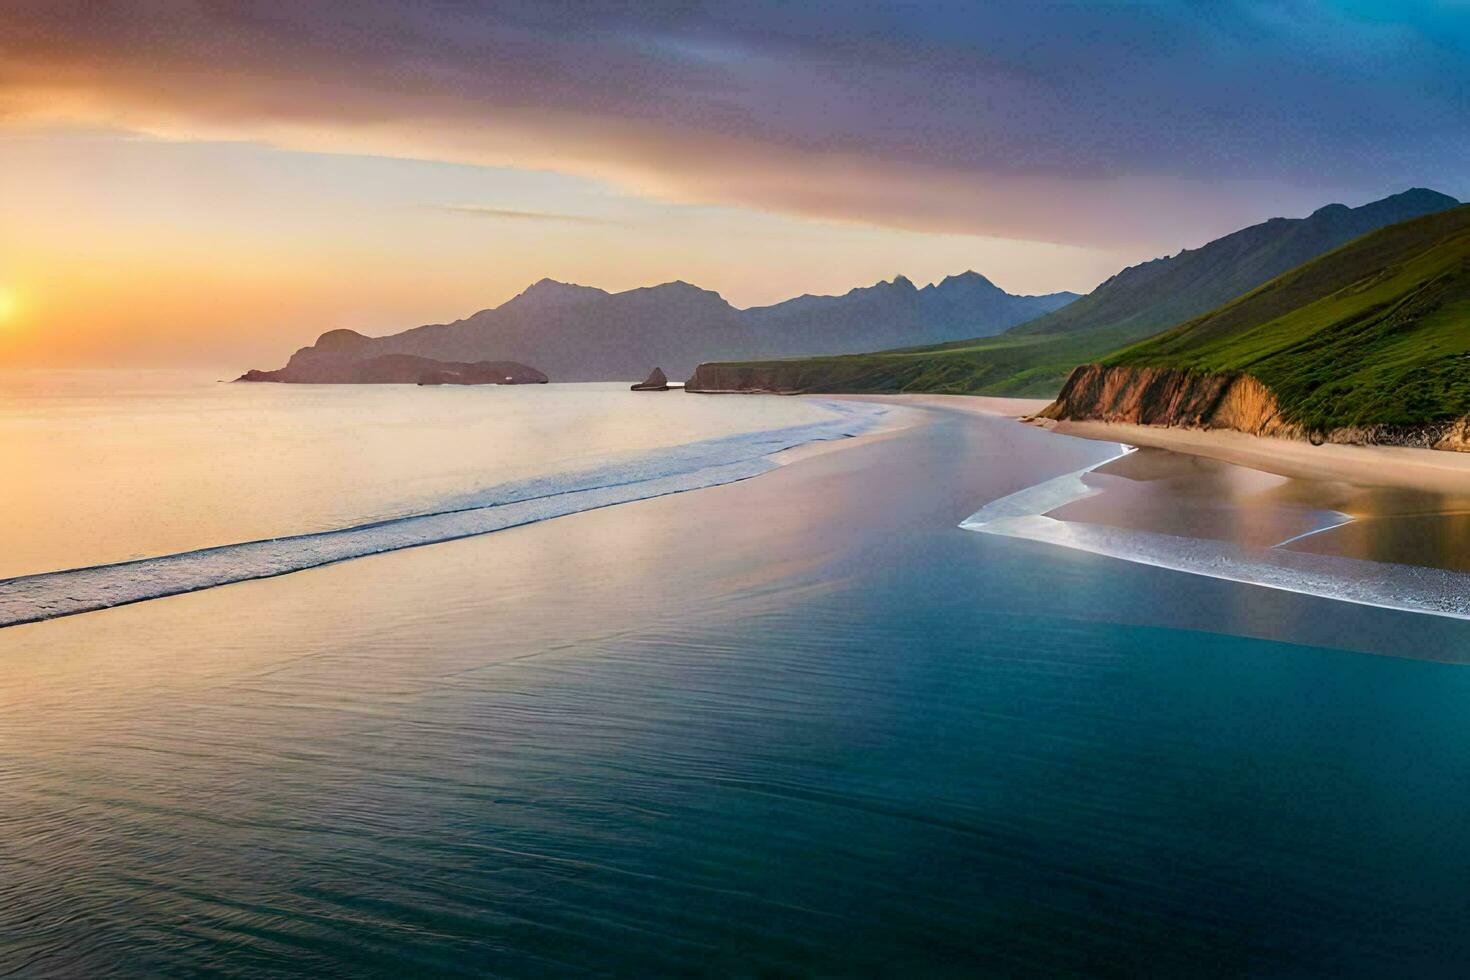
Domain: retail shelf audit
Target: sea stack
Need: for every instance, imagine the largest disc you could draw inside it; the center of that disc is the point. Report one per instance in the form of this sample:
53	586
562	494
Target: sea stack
656	381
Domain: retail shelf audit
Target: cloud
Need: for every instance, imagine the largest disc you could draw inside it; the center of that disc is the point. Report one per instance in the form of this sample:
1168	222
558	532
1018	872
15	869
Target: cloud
513	215
1095	124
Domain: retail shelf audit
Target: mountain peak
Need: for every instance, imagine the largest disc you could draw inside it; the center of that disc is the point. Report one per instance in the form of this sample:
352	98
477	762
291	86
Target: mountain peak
548	293
1423	197
678	290
555	287
341	340
969	278
1410	204
680	286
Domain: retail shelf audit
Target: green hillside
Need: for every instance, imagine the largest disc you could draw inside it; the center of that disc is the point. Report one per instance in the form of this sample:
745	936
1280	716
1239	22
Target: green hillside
1144	299
1034	358
1008	364
1375	332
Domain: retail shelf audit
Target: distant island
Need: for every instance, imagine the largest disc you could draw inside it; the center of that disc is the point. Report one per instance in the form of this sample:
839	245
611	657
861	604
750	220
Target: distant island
326	364
578	333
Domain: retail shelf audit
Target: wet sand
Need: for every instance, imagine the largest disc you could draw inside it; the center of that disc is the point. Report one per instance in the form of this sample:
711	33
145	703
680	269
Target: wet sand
1156	490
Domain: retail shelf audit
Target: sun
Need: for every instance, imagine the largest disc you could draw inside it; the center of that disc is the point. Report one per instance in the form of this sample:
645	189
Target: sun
8	304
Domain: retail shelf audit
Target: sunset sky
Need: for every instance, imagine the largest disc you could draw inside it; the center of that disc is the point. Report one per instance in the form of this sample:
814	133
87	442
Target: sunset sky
218	182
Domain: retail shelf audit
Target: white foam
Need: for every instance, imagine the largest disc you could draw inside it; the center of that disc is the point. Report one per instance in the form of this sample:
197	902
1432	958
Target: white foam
690	467
1409	588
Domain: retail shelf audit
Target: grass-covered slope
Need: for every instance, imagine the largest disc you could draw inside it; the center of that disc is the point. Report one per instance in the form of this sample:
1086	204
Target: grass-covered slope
1034	358
1144	299
1376	333
1007	364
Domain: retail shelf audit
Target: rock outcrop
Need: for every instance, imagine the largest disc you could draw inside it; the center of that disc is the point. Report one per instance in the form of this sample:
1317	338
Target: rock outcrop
656	381
1188	399
333	365
1168	396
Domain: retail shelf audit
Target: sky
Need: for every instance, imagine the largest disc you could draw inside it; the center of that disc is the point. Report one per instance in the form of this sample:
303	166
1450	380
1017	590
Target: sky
197	181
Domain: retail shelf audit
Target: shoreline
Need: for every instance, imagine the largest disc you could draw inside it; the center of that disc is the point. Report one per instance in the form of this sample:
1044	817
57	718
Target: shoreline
898	419
57	593
1394	467
1345	572
903	417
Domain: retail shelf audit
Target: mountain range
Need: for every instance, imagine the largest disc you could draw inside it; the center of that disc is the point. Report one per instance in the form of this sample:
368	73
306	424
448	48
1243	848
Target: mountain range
1034	358
579	333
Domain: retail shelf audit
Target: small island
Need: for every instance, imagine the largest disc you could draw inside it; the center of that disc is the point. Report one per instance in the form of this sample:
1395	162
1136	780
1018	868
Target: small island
308	366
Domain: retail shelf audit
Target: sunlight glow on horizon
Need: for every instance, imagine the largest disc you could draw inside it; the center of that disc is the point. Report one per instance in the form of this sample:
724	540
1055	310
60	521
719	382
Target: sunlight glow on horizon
9	306
133	250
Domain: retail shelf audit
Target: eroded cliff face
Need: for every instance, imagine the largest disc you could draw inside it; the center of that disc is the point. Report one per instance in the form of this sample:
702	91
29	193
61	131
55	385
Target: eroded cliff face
1174	397
1168	396
1456	437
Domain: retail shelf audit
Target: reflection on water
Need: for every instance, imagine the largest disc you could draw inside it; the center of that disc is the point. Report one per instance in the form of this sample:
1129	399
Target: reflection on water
109	466
1169	493
1218	525
1410	529
1151	490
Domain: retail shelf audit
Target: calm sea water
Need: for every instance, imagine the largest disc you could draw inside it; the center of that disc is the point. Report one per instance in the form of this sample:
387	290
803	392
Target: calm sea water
106	466
796	725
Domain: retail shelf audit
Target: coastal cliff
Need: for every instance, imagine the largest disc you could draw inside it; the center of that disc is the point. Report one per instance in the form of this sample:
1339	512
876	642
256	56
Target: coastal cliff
1167	396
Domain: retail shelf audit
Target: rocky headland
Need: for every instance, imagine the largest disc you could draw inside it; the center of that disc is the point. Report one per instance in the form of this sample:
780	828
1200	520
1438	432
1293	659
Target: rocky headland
326	364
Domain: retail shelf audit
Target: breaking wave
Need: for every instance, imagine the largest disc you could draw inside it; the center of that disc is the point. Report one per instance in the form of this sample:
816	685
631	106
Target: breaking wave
712	462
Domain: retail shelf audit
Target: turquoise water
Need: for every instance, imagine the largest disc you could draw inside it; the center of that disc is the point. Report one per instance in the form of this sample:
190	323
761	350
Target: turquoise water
796	725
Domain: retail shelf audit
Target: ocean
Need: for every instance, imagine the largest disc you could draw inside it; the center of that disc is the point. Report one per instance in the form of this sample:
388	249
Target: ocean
797	722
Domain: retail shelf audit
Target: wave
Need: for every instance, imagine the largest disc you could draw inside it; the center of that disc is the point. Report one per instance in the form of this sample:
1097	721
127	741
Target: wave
48	595
1408	588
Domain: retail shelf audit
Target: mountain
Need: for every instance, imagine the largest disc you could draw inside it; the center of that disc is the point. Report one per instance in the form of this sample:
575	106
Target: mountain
1035	357
1369	343
1149	297
896	313
578	333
